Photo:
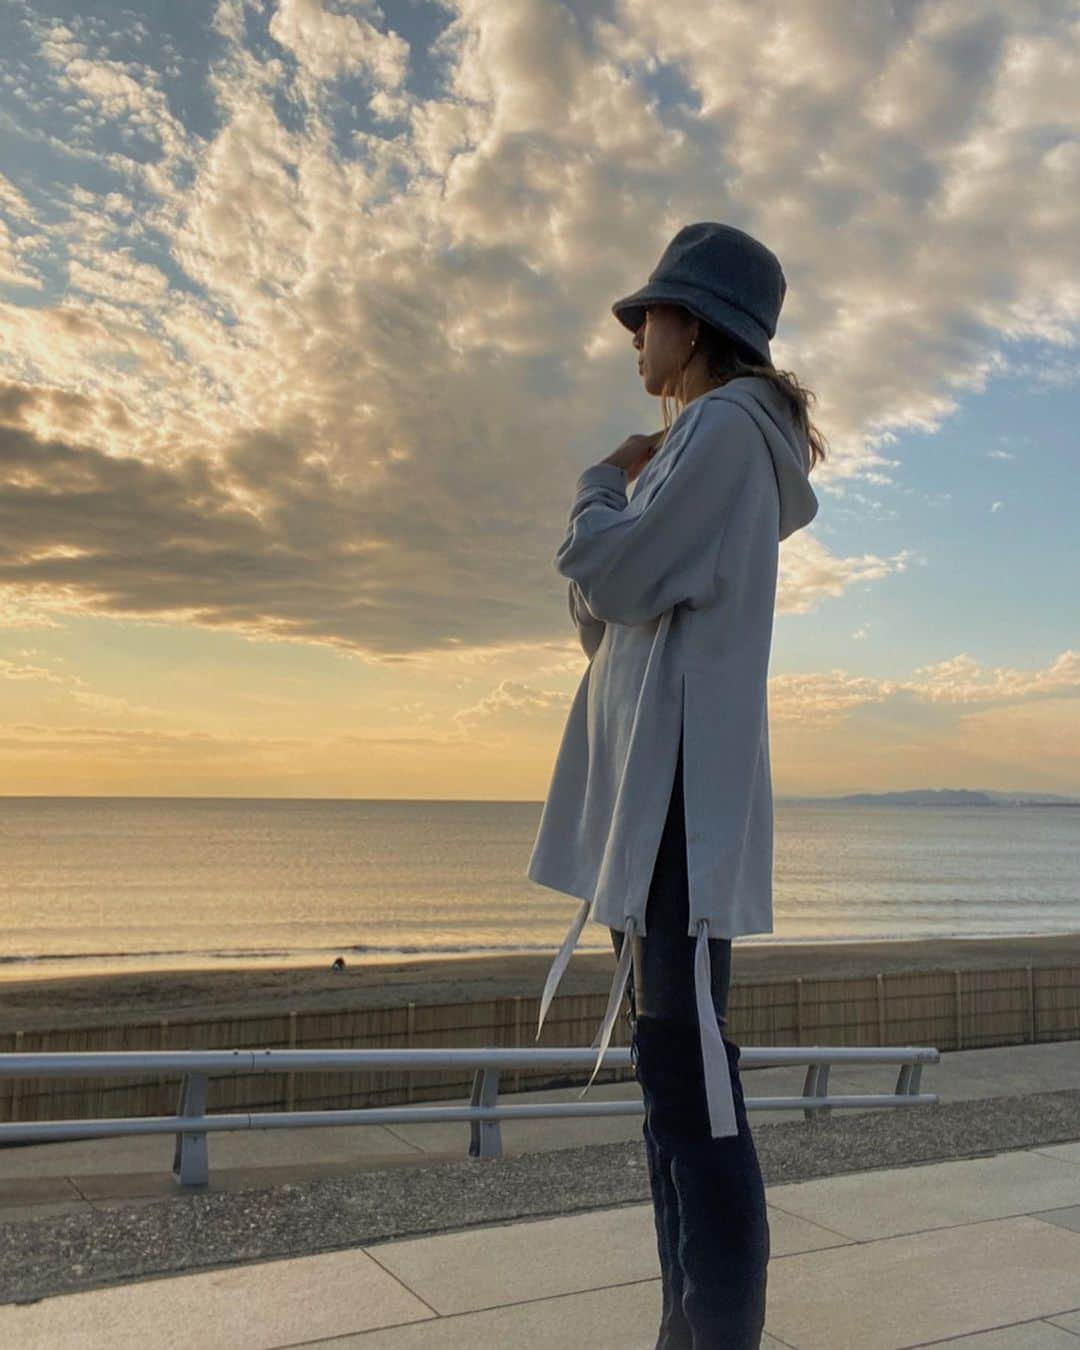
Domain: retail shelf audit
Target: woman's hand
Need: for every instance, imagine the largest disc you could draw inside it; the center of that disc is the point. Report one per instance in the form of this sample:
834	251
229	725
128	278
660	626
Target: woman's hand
635	452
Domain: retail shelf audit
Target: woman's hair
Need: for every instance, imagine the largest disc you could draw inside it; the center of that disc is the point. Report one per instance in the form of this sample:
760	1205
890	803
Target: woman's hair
726	359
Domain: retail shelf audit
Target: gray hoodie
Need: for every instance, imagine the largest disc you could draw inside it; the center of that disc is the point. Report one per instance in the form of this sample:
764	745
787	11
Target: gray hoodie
788	446
672	592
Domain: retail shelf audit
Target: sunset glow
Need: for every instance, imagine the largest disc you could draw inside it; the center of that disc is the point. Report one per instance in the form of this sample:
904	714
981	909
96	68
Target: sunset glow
307	335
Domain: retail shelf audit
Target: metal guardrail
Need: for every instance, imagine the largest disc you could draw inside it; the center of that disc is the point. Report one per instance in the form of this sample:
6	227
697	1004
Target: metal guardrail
191	1124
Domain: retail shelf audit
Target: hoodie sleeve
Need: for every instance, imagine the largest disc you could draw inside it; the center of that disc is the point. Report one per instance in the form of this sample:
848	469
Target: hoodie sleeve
590	629
634	561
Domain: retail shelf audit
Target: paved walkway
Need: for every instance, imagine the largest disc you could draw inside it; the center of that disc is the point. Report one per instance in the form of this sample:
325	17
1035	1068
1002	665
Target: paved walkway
982	1254
60	1178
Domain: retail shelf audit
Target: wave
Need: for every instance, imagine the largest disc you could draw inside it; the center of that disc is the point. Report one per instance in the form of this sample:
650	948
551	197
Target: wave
293	953
433	950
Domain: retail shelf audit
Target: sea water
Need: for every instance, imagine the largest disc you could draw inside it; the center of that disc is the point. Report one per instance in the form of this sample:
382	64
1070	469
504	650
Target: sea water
96	884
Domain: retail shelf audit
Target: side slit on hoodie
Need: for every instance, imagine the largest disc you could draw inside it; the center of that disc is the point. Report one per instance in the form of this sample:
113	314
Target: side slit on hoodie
661	963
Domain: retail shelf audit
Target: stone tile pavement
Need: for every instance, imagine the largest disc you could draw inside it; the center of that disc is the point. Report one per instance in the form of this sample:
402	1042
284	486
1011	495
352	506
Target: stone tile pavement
981	1253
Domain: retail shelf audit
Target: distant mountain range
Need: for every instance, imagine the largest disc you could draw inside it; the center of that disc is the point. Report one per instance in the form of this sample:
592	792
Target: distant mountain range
942	797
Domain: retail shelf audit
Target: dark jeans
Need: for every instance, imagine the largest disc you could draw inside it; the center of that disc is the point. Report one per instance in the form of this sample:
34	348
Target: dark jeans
708	1194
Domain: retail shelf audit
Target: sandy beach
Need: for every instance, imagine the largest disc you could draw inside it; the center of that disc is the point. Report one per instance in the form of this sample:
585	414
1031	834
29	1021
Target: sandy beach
140	997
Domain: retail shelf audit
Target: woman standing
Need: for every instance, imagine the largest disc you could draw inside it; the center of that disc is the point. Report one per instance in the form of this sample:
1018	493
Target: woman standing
659	815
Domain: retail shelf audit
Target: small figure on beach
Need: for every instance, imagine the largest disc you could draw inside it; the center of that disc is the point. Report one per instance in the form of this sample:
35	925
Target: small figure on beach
339	964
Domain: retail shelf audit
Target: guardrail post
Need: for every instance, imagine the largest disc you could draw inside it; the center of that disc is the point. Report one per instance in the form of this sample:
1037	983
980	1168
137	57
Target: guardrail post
809	1089
410	1037
16	1083
518	1038
907	1080
823	1089
191	1159
816	1084
290	1079
486	1137
163	1044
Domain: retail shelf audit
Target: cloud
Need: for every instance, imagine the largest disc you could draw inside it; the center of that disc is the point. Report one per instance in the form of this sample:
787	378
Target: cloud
962	680
316	376
13	670
983	721
103	92
515	698
136	743
328	45
72	685
819	698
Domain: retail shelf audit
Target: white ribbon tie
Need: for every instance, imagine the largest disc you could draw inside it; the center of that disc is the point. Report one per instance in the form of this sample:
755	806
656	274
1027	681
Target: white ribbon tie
562	959
618	987
722	1122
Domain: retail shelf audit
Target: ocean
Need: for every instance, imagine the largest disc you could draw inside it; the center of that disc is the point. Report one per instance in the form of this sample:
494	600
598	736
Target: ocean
110	884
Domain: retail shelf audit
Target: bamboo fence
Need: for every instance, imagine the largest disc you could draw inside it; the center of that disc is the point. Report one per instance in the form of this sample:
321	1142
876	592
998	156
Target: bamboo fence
949	1009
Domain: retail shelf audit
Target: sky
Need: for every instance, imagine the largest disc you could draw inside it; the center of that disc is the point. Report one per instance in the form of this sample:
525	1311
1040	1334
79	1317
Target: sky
306	335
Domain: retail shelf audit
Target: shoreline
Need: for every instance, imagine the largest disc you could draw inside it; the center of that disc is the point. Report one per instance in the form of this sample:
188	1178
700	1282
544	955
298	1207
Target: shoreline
206	994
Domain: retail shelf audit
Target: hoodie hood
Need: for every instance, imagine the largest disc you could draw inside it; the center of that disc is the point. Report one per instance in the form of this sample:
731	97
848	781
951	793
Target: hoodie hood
788	446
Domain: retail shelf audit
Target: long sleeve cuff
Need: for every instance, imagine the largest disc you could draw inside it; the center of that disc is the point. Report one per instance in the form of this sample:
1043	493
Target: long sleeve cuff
604	475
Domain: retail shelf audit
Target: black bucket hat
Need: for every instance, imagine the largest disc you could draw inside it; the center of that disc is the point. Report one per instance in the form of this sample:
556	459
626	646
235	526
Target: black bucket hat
724	277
